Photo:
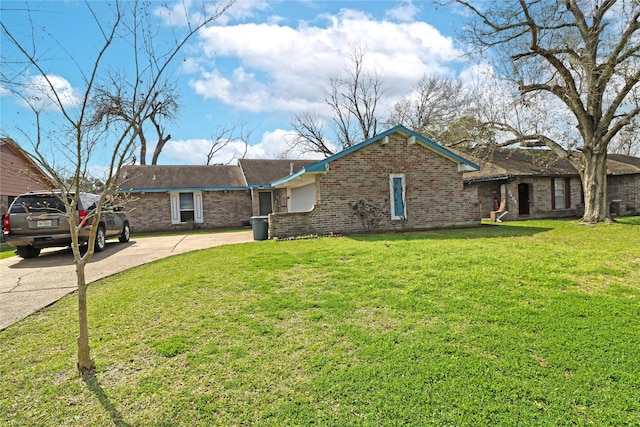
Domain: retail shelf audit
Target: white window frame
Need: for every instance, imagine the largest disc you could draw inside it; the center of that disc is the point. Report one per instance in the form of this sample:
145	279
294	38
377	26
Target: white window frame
175	206
561	188
392	196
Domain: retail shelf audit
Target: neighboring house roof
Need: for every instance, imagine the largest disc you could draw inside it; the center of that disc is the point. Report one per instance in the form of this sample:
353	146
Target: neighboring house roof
29	170
620	164
322	165
157	178
501	163
260	172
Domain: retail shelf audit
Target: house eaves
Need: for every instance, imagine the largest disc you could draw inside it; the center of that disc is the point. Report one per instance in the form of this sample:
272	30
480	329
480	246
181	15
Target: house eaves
322	166
506	177
487	179
182	189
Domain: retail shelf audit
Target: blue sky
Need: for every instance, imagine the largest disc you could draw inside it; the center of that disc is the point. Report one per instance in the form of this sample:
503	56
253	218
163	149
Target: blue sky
257	65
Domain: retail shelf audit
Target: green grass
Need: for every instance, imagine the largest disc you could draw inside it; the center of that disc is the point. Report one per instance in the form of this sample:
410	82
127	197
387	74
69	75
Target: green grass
527	323
6	251
183	232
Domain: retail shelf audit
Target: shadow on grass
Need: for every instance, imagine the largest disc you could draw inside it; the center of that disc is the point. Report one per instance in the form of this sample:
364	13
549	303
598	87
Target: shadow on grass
630	220
94	385
485	231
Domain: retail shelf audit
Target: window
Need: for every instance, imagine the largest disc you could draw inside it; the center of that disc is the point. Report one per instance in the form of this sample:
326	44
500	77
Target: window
561	193
186	207
397	189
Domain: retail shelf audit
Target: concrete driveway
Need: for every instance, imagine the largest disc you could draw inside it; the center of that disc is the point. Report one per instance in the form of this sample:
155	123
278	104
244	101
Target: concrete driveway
27	285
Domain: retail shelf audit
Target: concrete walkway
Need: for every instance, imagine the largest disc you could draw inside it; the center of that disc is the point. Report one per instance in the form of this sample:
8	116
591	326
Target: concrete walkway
28	285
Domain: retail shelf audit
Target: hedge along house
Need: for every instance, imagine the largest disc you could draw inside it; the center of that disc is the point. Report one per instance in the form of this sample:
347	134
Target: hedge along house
397	180
517	184
258	175
185	197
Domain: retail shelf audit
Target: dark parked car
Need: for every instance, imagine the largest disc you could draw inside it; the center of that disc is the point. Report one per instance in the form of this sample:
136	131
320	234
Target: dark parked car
37	220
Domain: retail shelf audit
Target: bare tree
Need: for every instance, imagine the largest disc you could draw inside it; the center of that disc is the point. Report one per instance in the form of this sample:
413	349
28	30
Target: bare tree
627	141
114	101
78	137
227	135
579	55
309	134
352	99
432	106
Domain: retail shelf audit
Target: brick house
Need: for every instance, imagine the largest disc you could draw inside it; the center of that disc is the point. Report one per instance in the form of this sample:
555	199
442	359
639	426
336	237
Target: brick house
18	174
184	197
397	180
516	184
405	181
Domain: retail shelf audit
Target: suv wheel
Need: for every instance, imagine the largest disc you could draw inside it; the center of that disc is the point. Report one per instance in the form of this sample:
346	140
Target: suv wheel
126	233
27	251
100	240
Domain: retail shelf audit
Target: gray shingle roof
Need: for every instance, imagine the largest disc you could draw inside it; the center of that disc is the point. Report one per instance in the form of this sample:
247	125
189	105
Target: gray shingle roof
503	162
265	171
619	164
177	177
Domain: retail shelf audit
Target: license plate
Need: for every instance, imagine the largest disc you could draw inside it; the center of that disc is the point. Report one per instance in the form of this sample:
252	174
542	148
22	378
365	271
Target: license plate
45	223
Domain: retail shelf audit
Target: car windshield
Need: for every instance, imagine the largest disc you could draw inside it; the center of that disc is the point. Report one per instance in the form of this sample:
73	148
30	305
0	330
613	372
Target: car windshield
38	204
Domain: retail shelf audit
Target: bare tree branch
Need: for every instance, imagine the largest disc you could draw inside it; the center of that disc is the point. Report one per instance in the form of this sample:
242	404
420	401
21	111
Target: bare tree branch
352	98
227	135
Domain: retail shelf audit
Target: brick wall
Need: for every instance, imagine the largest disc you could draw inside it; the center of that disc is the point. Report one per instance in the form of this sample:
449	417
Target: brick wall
626	189
152	211
486	192
622	188
540	194
435	197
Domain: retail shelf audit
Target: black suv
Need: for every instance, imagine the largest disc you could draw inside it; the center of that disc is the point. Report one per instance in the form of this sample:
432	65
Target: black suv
37	220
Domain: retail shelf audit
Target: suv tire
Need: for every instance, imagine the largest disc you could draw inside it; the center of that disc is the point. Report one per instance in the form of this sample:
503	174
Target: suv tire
100	240
126	233
27	251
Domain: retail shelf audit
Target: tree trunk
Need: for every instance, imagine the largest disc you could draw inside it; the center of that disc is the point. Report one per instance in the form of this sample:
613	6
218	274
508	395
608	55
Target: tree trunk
85	364
159	147
594	178
143	151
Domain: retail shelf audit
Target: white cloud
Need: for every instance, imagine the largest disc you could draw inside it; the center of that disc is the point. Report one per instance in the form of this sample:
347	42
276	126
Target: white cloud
273	145
406	12
281	68
185	12
50	93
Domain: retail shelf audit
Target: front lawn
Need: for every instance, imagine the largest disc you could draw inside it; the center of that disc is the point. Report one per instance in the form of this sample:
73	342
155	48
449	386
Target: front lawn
524	323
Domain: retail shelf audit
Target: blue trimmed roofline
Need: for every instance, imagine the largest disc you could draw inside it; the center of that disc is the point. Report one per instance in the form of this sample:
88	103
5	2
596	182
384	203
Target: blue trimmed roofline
167	190
321	166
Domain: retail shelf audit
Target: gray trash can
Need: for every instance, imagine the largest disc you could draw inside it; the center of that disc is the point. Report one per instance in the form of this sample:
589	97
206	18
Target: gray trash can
260	227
